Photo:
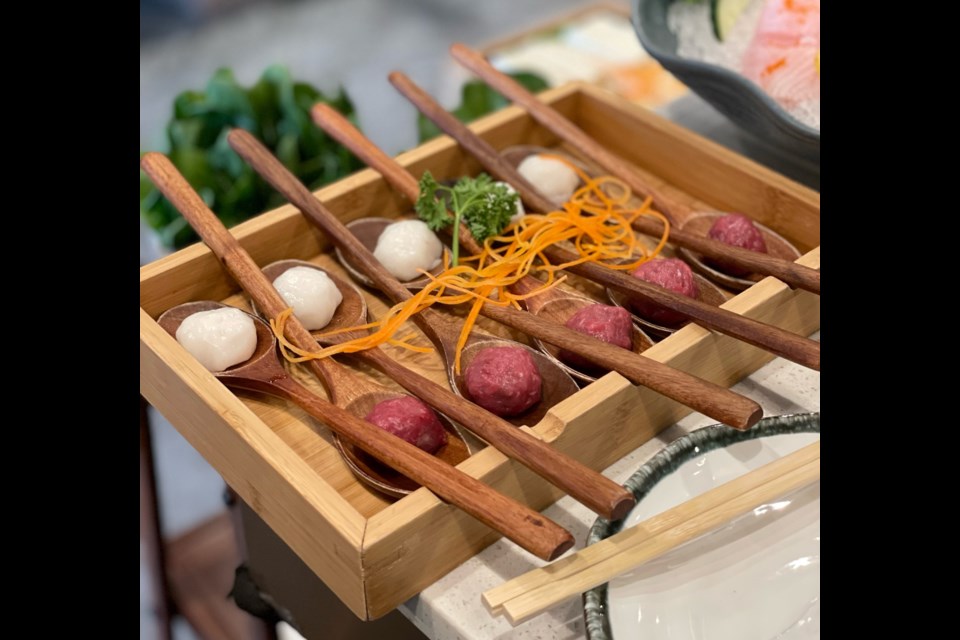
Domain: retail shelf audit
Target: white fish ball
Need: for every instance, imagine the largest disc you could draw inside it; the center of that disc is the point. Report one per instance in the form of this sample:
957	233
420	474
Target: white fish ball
219	338
520	210
552	178
406	246
312	294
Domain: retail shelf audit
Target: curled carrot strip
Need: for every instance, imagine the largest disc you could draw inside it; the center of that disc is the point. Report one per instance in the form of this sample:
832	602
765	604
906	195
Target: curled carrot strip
596	223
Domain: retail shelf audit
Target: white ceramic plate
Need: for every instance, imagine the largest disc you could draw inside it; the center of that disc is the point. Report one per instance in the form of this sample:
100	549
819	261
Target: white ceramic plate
756	578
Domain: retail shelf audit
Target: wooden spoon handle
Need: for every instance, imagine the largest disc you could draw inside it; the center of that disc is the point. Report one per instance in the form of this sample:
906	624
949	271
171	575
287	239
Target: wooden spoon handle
535	533
583	483
773	339
708	398
529	529
793	274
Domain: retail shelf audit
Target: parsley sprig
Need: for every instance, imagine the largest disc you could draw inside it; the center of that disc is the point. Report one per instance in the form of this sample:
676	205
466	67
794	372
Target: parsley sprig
484	206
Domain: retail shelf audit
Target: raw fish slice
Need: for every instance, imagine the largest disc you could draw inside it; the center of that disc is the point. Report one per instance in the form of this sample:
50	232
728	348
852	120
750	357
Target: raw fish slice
783	55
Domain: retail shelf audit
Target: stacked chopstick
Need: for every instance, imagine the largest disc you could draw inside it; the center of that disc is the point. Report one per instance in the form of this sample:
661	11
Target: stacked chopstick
536	591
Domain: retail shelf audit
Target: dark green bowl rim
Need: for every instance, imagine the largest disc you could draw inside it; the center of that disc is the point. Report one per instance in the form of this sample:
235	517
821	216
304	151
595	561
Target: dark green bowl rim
752	90
668	460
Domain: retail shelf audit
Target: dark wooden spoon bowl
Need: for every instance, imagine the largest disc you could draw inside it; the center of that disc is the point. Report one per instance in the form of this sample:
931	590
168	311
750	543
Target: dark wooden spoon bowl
708	293
699	225
367	231
560	308
556	383
381	476
351	311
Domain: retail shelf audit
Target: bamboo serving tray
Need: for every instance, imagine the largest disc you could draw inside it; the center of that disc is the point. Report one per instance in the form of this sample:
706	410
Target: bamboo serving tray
374	553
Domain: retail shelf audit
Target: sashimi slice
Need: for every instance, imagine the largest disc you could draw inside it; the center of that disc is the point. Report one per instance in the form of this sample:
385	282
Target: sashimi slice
783	57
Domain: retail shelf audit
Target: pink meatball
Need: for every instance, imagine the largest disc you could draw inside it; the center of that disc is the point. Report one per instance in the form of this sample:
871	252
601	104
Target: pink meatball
671	274
736	230
504	380
410	419
601	321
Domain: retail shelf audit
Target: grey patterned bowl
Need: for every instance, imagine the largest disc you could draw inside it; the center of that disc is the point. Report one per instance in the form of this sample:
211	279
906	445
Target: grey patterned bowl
741	100
668	460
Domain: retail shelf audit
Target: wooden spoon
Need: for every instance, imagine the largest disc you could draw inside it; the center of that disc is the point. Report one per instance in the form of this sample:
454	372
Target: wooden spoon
352	311
708	293
773	339
559	306
699	225
793	274
264	373
708	398
368	231
589	487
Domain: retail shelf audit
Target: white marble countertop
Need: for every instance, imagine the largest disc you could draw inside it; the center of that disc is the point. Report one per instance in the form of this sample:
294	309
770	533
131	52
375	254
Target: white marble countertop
451	608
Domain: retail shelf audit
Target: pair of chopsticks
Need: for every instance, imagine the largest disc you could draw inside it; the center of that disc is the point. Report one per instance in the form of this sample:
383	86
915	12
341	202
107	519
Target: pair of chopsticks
536	591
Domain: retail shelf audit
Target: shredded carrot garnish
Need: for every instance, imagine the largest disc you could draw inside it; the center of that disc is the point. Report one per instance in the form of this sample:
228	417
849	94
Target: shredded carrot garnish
595	223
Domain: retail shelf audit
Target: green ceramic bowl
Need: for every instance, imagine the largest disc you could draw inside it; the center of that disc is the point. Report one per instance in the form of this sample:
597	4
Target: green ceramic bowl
742	101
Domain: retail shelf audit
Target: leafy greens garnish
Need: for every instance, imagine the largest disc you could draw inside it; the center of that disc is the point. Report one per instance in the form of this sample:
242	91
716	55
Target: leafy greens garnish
277	111
483	205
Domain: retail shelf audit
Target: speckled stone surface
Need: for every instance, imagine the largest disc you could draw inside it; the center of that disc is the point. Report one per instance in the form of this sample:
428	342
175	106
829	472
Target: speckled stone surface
451	608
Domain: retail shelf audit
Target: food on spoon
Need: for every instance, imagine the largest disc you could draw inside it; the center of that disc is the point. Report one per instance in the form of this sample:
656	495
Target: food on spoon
406	246
504	380
604	322
671	274
553	178
219	338
410	419
736	230
312	294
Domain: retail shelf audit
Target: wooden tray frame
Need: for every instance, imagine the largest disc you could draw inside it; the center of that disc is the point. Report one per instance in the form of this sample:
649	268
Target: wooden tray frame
374	554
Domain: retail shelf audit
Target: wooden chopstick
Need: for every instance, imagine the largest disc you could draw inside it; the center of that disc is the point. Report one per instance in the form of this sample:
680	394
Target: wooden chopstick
768	337
795	275
704	396
529	529
535	591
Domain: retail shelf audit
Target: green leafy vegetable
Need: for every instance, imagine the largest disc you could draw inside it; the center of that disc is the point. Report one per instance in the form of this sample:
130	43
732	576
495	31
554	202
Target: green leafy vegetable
276	110
483	205
478	99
